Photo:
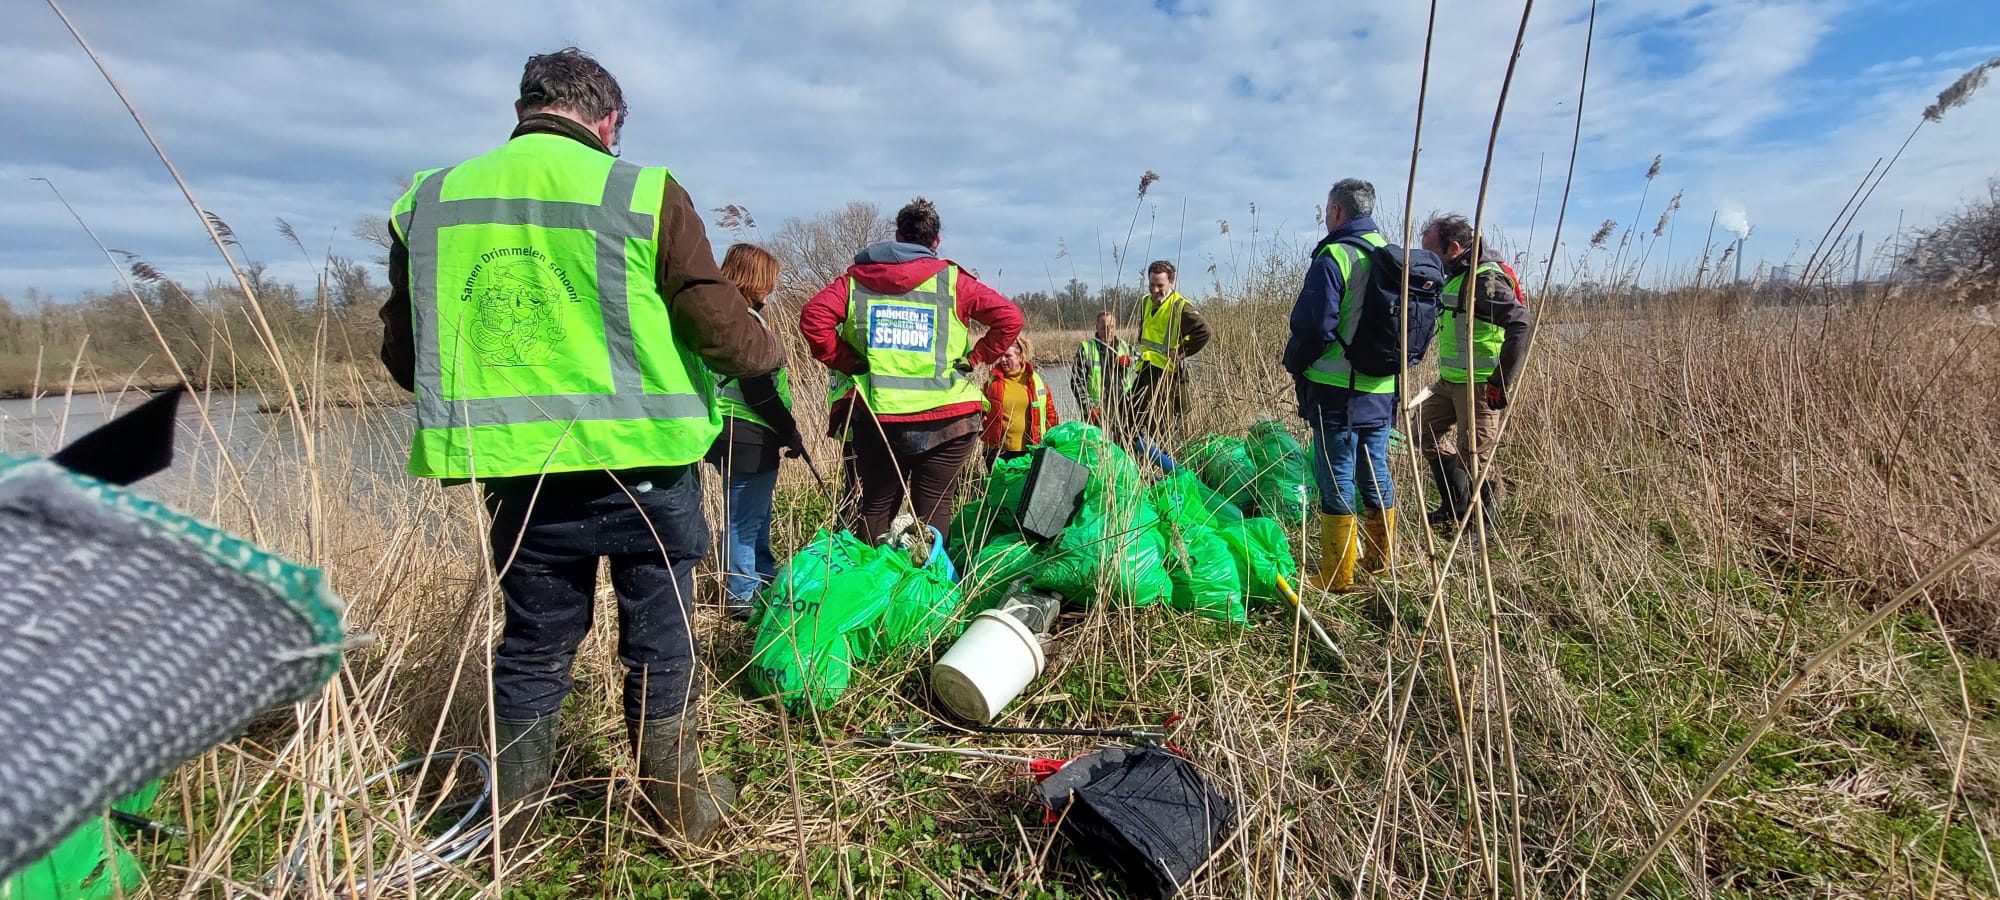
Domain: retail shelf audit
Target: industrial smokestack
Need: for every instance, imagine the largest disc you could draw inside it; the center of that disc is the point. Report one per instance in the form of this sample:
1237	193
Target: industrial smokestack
1739	258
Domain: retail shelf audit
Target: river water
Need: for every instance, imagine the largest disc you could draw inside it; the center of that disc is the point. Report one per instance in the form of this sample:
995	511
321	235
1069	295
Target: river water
364	447
361	448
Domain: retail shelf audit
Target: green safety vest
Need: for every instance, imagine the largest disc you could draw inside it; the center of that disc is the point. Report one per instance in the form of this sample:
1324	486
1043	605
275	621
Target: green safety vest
1160	330
542	341
729	394
837	386
1093	367
913	343
1487	337
1332	367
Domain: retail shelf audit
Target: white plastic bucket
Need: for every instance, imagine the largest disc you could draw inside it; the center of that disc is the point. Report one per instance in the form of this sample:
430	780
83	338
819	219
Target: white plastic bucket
987	668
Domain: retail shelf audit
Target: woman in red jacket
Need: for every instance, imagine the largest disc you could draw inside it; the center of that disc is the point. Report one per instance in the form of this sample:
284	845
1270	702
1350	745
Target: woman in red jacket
1019	406
899	323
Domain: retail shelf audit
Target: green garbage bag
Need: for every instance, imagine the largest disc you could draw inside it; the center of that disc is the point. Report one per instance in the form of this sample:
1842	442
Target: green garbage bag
90	864
1261	553
1112	550
998	565
802	654
1182	498
923	605
1112	554
841	602
992	516
1284	484
1112	472
1205	577
1223	463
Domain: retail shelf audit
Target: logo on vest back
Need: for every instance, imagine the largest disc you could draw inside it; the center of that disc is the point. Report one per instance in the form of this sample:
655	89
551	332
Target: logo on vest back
515	297
902	328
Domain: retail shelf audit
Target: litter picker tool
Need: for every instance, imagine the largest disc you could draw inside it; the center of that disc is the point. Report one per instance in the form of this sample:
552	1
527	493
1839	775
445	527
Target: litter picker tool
824	485
1292	596
1144	735
883	740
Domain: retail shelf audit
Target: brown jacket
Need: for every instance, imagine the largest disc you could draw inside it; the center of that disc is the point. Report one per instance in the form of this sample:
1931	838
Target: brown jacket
708	313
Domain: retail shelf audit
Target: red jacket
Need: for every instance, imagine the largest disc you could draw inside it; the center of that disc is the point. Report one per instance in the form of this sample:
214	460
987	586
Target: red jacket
820	320
994	430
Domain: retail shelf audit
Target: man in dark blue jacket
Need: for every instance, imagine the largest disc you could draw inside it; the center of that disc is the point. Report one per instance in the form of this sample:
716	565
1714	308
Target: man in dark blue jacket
1350	413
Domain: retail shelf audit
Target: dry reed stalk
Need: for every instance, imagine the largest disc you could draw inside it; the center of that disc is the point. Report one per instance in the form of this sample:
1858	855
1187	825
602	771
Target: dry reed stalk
219	234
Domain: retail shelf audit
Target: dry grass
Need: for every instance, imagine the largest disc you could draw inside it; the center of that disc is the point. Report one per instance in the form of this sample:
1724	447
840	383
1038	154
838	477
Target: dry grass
1702	498
1696	507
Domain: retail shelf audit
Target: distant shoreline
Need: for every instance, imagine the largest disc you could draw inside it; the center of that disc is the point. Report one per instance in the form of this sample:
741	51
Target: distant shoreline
149	385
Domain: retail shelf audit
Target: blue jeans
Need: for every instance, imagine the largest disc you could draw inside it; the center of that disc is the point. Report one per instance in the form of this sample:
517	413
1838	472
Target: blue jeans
547	543
746	556
1340	454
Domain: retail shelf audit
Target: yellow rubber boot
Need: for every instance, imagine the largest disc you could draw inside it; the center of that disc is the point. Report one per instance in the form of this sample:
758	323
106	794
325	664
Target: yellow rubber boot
1378	541
1337	549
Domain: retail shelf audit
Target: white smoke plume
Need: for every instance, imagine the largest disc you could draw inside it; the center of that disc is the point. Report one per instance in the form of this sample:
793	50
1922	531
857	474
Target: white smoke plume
1734	220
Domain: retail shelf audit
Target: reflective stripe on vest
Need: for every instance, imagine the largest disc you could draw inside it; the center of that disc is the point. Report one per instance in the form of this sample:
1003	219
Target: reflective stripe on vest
729	397
912	342
528	358
1332	367
1160	330
1487	338
1092	353
1093	369
1038	411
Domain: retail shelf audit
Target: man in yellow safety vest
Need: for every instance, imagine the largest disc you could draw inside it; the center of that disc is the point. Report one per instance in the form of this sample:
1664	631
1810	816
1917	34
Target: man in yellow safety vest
1098	377
557	312
1170	331
1486	369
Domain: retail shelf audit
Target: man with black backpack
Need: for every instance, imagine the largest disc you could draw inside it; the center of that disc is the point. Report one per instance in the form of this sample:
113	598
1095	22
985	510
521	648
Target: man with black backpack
1351	339
1501	326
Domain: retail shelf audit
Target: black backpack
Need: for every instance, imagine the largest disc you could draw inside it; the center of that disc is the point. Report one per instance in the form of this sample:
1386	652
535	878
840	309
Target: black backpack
1378	336
1143	812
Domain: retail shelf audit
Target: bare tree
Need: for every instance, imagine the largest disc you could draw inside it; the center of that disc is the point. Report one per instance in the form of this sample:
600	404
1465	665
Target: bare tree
1963	250
374	228
816	251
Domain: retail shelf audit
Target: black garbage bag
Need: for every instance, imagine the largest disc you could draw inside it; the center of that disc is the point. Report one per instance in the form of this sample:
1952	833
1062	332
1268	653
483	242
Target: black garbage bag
1143	813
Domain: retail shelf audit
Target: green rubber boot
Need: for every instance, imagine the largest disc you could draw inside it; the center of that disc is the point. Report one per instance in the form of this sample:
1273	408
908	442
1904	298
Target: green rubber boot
690	805
523	771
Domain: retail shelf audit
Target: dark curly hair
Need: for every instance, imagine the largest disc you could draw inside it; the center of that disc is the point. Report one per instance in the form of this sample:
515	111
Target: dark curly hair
918	223
569	80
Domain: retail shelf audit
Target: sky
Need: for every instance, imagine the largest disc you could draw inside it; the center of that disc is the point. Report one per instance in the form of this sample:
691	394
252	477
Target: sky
1028	122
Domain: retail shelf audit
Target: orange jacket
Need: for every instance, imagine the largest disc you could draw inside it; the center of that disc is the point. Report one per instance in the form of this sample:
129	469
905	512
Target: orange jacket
1041	410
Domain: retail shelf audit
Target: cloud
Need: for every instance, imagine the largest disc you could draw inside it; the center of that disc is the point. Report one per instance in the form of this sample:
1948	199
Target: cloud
1025	121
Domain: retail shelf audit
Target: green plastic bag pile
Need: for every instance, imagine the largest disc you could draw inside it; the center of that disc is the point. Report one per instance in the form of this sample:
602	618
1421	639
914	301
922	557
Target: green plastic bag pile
992	516
1284	485
1224	463
841	602
1182	542
1113	549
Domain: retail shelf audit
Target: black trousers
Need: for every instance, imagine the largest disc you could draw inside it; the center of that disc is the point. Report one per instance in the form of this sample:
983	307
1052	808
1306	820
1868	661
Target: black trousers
546	546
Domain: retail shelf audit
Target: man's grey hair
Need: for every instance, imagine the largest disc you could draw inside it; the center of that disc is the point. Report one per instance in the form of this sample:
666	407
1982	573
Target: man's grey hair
1352	196
569	80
